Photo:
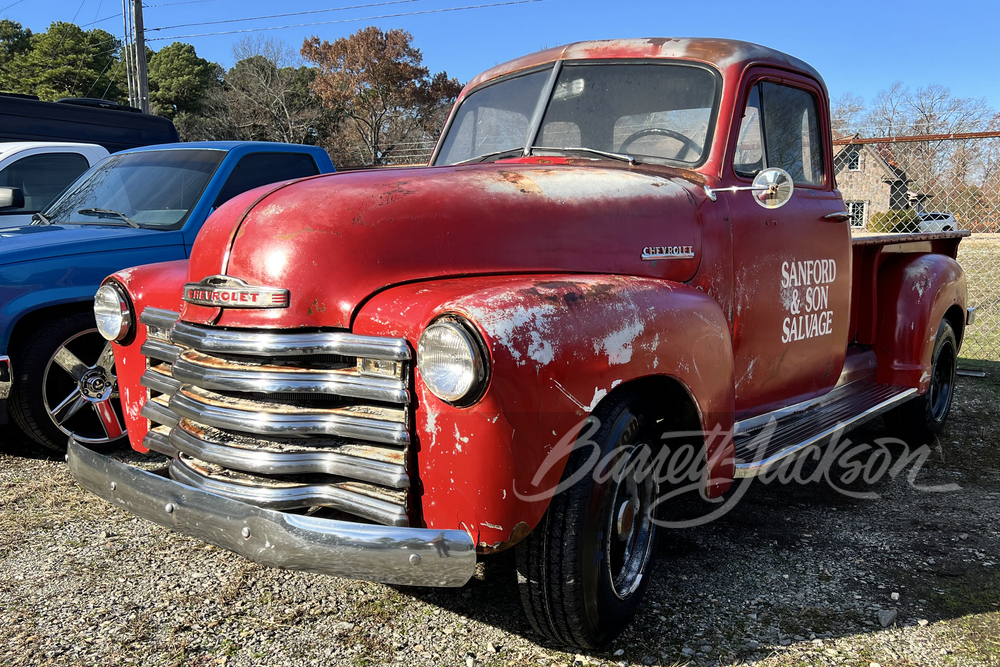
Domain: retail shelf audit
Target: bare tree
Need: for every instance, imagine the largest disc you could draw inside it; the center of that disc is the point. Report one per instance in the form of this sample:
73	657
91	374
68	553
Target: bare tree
265	96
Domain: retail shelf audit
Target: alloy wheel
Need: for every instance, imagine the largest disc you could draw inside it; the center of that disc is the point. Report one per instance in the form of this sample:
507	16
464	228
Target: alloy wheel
80	390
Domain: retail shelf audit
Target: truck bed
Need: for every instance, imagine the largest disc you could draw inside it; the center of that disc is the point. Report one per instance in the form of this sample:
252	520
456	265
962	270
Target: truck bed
863	239
870	251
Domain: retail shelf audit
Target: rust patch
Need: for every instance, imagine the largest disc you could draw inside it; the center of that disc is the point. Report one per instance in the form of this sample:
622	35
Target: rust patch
520	532
289	236
520	181
315	308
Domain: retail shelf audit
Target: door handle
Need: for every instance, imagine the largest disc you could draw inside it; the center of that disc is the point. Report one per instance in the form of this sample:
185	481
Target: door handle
840	216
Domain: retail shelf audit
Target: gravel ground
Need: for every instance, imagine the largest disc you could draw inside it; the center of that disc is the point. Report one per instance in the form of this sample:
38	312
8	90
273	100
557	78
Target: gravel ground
793	575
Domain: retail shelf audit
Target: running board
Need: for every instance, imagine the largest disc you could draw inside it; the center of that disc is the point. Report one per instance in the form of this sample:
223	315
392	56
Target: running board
755	452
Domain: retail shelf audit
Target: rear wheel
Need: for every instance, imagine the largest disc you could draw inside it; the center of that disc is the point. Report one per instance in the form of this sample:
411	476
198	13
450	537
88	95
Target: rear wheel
583	570
919	420
65	385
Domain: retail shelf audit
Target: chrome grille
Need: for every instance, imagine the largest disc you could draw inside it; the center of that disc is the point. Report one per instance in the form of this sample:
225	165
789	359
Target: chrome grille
284	421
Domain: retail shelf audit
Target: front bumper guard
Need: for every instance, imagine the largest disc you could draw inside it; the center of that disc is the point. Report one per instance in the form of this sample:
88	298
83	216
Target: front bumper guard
386	554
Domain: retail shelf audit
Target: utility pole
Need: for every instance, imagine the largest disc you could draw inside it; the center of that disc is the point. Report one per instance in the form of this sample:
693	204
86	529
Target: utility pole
127	53
140	56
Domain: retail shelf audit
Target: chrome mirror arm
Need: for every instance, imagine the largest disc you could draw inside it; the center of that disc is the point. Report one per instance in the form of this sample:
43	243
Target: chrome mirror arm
713	192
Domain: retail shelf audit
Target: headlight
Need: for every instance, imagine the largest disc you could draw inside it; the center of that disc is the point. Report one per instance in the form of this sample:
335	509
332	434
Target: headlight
451	362
114	316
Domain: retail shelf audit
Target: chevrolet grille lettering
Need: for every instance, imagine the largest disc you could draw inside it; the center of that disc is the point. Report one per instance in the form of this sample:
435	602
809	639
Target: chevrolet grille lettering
229	292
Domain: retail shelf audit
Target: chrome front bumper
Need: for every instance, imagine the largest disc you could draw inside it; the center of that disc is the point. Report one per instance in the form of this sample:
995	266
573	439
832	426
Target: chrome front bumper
405	556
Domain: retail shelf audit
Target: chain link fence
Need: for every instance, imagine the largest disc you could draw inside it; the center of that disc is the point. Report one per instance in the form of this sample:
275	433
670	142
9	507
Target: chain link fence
934	183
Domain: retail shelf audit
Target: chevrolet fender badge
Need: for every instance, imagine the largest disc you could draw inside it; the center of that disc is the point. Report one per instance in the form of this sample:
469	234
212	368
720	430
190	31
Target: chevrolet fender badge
653	253
229	292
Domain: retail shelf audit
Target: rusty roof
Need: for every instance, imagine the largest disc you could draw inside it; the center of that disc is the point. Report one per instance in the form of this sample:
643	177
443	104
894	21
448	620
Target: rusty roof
720	53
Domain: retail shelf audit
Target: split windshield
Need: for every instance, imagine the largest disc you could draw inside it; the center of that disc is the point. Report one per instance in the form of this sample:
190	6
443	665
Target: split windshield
653	112
153	189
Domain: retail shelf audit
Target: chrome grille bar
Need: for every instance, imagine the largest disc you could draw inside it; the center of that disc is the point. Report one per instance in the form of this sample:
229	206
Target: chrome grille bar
156	411
269	344
204	444
161	351
207	372
188	403
270	494
159	318
156	380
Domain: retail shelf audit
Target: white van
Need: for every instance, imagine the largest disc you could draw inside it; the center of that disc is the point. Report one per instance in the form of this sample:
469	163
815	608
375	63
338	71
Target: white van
33	173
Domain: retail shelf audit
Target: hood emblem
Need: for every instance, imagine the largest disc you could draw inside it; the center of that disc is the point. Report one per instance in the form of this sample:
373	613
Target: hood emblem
229	292
654	253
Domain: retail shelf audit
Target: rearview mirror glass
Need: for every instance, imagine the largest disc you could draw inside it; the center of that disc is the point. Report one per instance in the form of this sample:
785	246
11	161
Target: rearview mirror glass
772	188
11	198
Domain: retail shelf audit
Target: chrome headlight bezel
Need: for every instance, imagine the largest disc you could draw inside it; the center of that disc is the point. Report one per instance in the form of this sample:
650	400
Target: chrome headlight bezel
473	364
113	312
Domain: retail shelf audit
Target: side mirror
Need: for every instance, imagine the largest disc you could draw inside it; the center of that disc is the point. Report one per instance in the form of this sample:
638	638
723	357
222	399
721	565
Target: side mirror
772	188
11	198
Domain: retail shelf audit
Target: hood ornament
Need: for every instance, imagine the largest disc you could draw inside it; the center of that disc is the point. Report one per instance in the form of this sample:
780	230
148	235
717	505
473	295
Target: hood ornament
229	292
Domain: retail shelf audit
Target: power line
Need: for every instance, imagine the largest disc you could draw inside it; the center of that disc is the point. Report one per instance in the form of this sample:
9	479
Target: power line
171	4
365	18
106	18
278	16
11	5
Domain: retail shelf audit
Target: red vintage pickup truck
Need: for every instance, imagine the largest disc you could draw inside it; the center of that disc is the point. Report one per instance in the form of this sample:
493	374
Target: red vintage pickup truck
618	247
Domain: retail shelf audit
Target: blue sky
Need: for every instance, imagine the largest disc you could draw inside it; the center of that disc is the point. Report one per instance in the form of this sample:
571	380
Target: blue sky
859	47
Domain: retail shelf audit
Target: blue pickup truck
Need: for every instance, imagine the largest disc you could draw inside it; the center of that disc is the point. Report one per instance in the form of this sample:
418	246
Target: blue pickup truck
136	207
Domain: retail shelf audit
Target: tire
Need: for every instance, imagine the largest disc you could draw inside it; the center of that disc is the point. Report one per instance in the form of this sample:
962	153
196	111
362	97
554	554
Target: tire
919	420
65	384
578	584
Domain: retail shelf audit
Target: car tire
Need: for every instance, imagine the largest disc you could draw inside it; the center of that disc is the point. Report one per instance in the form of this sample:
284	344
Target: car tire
919	420
581	572
64	385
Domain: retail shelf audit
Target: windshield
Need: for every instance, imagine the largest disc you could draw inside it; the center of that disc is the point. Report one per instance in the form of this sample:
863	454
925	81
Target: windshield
152	189
651	111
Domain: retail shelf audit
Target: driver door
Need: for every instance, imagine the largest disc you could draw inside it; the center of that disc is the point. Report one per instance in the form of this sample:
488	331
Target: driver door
791	265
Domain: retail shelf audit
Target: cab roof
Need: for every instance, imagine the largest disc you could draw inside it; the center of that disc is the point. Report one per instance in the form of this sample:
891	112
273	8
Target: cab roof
228	146
720	53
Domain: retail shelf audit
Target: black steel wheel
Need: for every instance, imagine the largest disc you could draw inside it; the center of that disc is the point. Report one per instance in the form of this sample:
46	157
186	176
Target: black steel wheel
919	420
66	385
583	571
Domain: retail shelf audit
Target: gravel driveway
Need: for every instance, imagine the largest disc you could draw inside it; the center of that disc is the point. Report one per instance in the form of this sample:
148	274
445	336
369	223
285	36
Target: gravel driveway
793	575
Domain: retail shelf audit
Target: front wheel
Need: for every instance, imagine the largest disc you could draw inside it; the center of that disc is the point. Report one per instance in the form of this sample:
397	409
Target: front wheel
65	385
919	420
583	571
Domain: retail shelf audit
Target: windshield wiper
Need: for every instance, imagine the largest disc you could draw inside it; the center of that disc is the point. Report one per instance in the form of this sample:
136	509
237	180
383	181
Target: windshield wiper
39	219
108	213
580	149
495	155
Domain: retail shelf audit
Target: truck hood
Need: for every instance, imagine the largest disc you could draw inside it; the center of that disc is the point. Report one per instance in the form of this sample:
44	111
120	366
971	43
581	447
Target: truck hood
334	241
24	244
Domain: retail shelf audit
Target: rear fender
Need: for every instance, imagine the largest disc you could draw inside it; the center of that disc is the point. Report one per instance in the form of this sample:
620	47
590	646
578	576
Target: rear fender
915	291
154	285
558	346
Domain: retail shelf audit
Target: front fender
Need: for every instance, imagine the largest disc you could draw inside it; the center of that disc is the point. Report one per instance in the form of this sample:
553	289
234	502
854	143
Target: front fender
914	293
558	345
154	285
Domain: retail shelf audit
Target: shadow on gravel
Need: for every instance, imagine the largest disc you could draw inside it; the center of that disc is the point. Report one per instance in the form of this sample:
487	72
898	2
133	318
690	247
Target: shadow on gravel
806	564
15	443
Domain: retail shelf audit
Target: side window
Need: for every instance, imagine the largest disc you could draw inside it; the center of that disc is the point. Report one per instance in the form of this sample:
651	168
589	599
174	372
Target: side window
41	178
787	120
750	143
257	169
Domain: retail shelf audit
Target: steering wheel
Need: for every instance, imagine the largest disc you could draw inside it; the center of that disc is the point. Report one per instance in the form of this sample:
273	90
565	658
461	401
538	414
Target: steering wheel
687	142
